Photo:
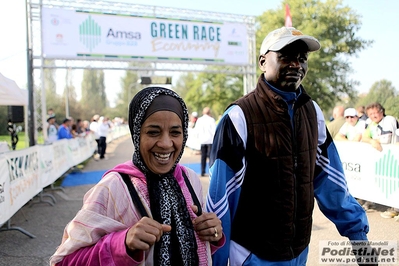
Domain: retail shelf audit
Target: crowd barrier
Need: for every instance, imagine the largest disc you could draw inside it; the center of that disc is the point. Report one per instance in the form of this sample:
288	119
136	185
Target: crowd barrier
25	173
371	175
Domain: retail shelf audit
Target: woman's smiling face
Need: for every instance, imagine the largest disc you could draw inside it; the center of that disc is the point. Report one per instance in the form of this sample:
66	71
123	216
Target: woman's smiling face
161	141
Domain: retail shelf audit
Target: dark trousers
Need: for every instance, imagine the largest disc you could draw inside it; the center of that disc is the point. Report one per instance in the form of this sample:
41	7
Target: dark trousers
205	152
102	146
98	146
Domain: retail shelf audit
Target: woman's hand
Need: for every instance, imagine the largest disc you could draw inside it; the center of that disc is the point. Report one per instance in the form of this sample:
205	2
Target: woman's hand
144	234
208	226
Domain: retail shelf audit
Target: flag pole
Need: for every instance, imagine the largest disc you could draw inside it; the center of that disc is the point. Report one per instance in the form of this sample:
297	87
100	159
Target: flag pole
288	18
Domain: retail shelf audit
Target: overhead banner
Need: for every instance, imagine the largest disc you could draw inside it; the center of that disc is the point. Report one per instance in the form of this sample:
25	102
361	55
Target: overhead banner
77	34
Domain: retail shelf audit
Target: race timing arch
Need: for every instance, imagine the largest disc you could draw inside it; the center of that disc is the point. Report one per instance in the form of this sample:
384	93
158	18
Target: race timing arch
106	35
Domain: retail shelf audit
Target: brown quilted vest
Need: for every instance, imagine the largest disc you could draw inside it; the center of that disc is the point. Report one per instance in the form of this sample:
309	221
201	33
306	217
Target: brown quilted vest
274	214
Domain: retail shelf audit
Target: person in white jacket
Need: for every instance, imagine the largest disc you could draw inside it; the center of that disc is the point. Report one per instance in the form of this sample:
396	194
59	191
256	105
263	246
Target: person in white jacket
205	128
104	127
94	130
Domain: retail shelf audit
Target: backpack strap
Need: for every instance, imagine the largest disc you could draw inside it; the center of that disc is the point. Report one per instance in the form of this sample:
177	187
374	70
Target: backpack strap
193	195
133	193
137	202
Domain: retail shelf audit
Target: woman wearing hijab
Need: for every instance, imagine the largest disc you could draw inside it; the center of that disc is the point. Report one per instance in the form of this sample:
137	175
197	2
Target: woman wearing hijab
165	224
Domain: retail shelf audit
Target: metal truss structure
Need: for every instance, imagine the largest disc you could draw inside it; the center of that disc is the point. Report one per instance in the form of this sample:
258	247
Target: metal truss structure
39	63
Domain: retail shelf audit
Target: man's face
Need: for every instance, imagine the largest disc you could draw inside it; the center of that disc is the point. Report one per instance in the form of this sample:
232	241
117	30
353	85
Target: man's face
285	69
375	114
351	120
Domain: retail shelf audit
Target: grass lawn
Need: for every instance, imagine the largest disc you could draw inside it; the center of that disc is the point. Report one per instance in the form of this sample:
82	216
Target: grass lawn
22	143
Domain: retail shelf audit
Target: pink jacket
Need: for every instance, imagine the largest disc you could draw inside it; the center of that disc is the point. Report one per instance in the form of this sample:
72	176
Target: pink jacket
96	235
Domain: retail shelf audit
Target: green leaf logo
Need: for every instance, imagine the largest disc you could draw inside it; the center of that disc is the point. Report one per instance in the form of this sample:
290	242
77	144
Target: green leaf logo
387	174
90	33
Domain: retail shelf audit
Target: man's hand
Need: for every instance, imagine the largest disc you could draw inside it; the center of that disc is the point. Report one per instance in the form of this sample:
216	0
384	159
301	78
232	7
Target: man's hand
364	253
376	144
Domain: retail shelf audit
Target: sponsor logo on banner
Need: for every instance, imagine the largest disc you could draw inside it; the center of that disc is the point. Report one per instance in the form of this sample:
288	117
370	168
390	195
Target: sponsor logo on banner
387	174
90	33
370	174
2	189
23	172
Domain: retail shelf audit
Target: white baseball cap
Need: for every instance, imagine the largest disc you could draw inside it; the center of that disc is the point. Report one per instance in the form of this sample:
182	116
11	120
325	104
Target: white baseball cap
279	38
350	112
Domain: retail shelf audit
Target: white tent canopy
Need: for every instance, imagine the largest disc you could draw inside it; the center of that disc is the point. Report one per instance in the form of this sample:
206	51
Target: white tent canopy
11	94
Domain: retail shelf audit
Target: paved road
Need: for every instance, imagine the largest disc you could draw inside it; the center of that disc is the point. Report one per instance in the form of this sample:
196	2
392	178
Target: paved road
47	222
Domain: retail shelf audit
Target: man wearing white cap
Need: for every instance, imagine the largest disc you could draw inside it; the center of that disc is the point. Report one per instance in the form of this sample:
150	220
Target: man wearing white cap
94	125
272	156
353	128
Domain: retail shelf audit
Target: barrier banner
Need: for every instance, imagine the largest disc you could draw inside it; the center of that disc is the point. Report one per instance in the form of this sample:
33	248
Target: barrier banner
46	157
74	152
24	173
23	170
80	149
62	157
371	175
4	190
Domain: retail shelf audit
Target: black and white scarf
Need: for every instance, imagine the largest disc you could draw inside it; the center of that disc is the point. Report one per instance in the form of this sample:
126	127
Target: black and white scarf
167	203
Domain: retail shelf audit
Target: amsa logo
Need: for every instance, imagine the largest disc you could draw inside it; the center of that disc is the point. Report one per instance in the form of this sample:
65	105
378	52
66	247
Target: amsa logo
122	38
91	35
128	35
351	167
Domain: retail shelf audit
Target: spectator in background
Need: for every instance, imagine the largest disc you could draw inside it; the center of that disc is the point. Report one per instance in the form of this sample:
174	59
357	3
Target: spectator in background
94	130
104	127
205	130
64	129
74	130
361	113
353	128
337	122
193	119
192	140
382	127
50	113
11	128
72	122
381	130
79	127
52	130
86	126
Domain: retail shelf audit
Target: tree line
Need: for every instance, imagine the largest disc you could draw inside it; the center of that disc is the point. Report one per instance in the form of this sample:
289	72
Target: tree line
335	25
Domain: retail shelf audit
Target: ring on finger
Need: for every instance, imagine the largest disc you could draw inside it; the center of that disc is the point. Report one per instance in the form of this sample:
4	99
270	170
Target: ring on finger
216	232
